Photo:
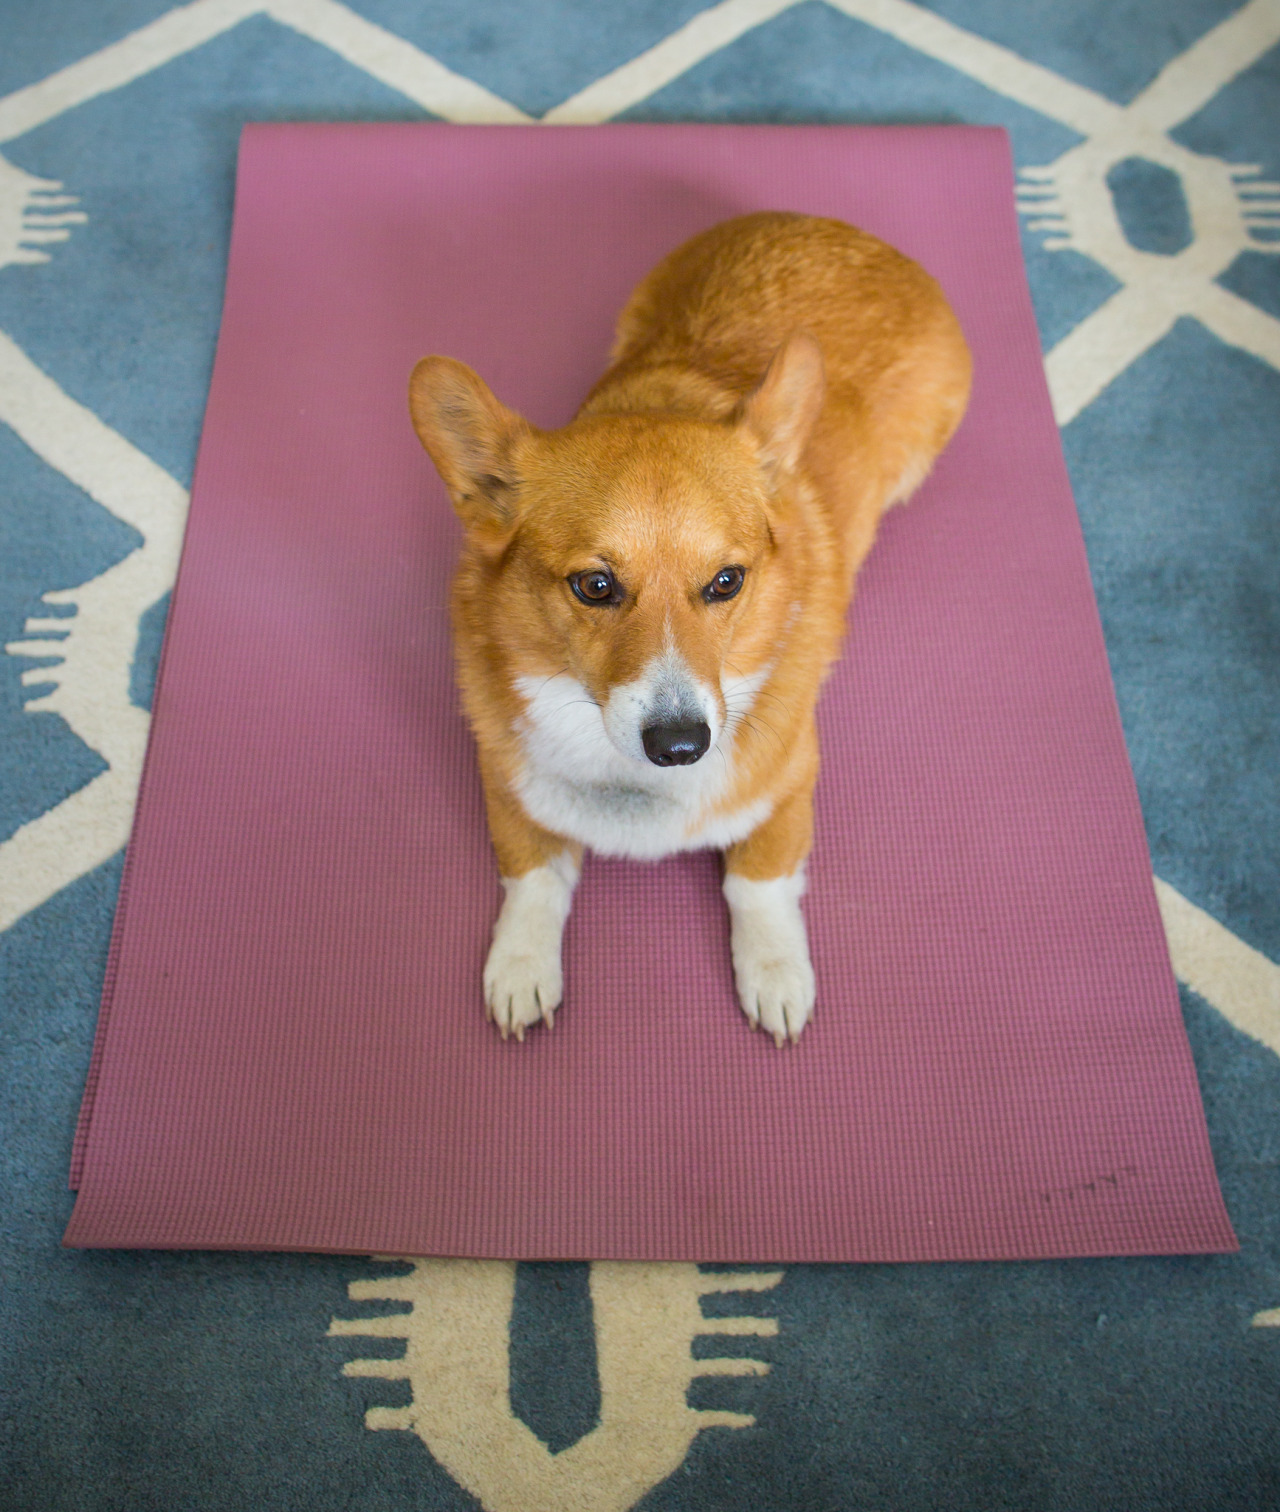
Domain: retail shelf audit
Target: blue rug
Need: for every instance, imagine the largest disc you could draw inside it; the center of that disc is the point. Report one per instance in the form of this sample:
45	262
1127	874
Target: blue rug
1148	139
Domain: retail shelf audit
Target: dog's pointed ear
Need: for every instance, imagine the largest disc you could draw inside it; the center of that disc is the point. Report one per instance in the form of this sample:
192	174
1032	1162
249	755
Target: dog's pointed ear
780	412
473	439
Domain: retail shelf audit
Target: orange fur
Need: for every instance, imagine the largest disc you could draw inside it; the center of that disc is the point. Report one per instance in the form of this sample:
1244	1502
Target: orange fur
774	385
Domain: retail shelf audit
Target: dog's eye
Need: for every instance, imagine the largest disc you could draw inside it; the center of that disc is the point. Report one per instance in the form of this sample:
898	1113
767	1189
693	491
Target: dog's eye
595	587
724	585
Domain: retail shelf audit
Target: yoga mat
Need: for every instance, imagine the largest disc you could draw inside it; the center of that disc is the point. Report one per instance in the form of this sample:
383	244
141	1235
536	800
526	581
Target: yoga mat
292	1051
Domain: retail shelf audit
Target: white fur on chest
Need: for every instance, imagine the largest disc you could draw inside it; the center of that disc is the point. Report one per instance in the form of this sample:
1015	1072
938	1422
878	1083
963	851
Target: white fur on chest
577	783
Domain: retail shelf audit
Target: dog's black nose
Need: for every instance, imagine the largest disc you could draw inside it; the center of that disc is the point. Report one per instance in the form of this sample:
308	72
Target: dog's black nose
676	744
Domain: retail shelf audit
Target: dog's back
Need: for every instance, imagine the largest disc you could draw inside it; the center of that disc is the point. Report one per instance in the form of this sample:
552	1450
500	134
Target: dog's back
896	363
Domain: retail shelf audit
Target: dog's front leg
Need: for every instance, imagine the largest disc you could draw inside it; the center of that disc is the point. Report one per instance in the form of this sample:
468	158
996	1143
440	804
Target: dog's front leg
523	981
763	883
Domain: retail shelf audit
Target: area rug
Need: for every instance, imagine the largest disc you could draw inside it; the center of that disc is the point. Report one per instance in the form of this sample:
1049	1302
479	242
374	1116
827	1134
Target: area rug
1144	141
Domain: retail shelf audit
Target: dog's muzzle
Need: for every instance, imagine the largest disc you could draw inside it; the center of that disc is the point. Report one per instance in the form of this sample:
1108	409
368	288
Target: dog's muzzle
676	744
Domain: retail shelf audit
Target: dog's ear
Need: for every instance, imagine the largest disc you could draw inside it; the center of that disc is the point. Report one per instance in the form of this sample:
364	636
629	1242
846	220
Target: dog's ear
473	439
779	414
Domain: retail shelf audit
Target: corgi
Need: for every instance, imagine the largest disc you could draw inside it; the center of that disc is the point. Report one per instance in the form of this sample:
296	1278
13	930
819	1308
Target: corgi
648	599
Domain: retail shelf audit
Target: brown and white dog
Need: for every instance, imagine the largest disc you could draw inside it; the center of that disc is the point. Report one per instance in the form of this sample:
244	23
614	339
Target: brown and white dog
648	599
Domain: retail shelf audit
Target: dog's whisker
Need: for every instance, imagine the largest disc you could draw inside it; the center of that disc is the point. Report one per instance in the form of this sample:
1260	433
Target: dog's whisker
773	697
757	726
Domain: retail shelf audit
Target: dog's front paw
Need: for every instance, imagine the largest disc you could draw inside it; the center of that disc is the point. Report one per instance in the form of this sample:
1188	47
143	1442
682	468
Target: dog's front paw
776	992
523	983
770	948
522	988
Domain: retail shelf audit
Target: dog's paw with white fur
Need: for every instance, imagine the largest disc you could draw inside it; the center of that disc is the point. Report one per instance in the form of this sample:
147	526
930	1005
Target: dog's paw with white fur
522	987
523	982
770	948
776	989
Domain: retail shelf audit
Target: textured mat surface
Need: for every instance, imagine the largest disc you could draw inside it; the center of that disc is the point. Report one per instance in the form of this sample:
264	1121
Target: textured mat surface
219	1381
291	1052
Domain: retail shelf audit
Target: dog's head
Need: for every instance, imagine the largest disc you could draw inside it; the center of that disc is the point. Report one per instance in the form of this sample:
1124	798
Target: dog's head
643	554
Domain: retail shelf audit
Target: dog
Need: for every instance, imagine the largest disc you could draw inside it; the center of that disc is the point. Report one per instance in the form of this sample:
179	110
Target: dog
649	598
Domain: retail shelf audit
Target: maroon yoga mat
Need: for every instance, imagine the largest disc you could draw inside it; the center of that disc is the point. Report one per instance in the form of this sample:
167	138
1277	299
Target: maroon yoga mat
292	1051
